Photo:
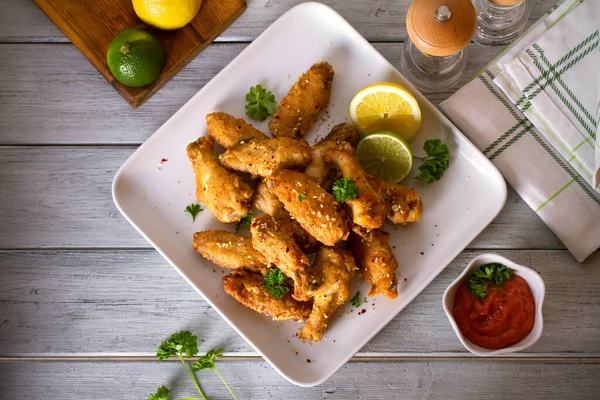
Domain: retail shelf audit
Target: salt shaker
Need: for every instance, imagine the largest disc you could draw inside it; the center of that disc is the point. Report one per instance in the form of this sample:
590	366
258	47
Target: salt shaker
434	55
499	22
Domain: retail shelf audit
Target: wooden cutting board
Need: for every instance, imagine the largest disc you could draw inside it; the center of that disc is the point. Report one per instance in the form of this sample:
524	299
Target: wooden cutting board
92	24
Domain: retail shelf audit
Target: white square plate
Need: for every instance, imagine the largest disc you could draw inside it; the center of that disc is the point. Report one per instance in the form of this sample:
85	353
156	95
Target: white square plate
455	209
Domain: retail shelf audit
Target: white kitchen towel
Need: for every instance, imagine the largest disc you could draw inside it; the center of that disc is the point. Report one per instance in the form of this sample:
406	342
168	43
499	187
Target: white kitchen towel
549	184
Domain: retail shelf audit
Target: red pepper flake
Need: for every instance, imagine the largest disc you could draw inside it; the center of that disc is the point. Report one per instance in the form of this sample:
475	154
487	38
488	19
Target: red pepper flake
422	253
308	360
333	340
214	270
297	352
164	160
405	279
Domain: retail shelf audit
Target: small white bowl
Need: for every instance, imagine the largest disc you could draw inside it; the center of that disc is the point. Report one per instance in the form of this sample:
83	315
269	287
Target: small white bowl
536	285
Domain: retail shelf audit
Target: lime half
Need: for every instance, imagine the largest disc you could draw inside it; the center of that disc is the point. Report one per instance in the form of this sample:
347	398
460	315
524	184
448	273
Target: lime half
385	155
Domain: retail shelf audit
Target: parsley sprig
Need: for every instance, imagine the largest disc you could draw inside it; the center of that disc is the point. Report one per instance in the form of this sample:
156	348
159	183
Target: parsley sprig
260	103
345	189
493	273
436	161
243	223
161	394
208	361
356	300
274	282
193	209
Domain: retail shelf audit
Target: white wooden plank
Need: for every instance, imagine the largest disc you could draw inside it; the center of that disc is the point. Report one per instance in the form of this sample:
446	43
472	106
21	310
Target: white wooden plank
61	197
65	101
65	303
257	380
22	21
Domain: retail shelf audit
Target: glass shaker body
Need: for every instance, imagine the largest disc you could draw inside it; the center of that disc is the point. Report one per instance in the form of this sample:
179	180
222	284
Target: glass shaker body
500	24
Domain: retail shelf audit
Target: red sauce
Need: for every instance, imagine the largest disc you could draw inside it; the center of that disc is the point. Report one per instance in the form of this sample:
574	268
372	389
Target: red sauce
503	318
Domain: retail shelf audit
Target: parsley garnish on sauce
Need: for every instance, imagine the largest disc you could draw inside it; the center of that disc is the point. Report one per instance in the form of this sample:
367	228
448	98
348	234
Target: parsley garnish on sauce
493	273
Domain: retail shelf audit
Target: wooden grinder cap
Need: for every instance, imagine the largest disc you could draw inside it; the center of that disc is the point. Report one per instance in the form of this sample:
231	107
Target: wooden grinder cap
441	36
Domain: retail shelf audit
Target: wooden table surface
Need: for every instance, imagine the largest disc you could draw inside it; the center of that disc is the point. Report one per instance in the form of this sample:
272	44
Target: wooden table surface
85	300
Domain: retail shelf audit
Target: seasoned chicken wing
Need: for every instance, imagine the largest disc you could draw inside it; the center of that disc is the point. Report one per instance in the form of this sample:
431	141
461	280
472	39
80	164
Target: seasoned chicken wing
263	157
276	242
336	267
310	205
248	288
322	172
229	250
266	201
376	260
229	131
224	193
297	112
368	209
404	204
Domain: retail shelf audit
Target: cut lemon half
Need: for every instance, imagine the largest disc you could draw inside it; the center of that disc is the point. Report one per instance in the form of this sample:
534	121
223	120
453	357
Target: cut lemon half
385	155
385	106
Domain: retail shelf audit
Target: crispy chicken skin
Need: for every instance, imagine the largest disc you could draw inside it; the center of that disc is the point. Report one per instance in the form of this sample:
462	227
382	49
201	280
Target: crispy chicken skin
336	267
297	112
376	260
309	204
263	157
229	131
368	209
266	201
276	242
224	193
248	288
404	204
322	172
229	250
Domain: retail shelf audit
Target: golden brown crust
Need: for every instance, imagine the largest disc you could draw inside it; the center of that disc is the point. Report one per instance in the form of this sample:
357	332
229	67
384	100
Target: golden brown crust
404	204
229	250
376	260
248	288
229	131
225	194
297	112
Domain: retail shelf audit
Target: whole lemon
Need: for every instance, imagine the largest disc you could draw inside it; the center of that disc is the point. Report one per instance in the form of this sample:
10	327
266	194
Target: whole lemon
166	14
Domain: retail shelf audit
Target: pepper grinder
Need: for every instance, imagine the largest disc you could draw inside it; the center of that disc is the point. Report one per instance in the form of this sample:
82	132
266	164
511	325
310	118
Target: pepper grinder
499	22
434	55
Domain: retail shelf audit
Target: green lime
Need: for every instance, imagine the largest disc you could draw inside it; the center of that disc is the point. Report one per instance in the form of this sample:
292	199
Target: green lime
135	57
385	155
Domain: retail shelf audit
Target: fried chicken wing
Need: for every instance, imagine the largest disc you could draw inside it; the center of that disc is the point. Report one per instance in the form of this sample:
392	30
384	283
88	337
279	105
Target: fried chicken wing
376	260
266	201
322	172
404	204
336	267
229	250
297	112
224	193
309	204
368	209
248	288
229	131
263	157
276	242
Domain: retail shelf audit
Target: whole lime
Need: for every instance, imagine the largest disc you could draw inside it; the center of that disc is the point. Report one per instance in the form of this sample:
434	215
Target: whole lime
135	57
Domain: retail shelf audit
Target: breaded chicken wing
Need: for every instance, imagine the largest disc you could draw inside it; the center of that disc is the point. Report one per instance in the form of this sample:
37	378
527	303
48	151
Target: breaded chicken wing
336	267
263	157
322	172
229	131
276	242
368	209
404	204
248	288
266	201
309	204
297	112
224	193
229	250
376	260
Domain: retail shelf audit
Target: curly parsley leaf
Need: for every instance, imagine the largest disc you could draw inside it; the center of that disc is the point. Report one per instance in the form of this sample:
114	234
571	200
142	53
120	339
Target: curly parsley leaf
178	344
274	282
260	103
193	209
301	196
209	361
161	394
436	161
243	223
356	300
345	189
493	273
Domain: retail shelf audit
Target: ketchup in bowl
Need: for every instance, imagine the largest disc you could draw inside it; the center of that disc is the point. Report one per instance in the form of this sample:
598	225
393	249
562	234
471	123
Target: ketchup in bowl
493	312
